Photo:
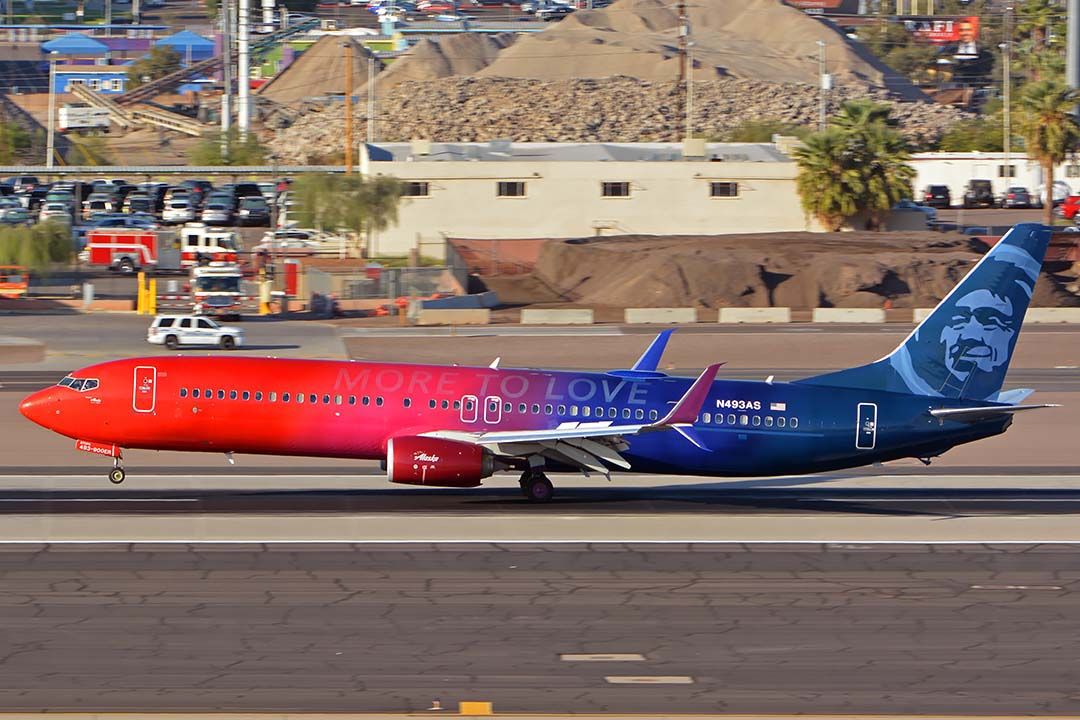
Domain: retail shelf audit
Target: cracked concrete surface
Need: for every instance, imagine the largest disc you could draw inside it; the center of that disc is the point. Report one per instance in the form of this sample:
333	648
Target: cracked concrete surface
760	629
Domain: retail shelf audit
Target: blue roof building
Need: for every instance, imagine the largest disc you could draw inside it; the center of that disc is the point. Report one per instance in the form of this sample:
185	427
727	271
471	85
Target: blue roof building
75	45
192	47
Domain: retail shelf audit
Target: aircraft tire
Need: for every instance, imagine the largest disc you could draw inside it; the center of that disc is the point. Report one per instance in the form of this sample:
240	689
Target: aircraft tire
538	489
117	475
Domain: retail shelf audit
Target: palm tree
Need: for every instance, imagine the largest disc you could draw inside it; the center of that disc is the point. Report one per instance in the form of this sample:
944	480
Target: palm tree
1035	18
829	181
887	174
855	116
1050	129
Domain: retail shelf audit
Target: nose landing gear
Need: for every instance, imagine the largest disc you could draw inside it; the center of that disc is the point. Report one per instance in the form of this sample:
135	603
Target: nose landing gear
117	474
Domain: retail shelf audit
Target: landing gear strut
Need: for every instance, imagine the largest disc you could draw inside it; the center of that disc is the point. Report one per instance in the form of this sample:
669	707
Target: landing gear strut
536	487
117	474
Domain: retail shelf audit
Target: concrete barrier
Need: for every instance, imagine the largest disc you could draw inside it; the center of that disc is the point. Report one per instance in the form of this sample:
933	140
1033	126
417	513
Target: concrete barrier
755	315
920	314
849	315
634	316
437	316
537	316
1069	315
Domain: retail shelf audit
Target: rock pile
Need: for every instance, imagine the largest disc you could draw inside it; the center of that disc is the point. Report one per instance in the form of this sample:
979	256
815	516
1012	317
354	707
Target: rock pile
620	109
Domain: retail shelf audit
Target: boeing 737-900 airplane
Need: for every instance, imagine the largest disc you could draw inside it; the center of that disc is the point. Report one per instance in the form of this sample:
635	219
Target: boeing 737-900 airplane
453	426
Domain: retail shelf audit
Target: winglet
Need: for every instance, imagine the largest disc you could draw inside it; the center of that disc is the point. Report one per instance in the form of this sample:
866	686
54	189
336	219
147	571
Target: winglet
689	406
650	359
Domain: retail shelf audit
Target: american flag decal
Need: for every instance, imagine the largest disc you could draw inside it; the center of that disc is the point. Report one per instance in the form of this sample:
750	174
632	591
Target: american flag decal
778	407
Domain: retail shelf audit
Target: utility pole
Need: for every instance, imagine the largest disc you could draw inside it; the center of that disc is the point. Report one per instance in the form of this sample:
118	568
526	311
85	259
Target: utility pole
370	98
690	91
243	73
347	46
684	30
226	65
50	145
1006	84
824	83
1072	47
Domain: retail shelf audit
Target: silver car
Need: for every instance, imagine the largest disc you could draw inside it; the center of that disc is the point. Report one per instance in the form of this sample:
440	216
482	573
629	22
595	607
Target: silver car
178	211
216	213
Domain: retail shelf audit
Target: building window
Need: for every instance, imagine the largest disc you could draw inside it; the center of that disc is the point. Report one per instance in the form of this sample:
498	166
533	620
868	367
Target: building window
94	84
1072	171
723	189
510	188
118	85
615	189
415	188
1006	171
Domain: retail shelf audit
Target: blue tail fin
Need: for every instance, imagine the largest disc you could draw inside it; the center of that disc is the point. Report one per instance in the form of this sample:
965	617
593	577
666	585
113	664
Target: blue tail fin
963	349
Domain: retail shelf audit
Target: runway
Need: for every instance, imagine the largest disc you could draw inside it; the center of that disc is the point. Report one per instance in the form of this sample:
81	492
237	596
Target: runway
853	628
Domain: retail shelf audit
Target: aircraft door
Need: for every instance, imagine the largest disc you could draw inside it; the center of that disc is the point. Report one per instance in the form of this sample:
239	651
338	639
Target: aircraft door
144	389
492	410
468	409
866	426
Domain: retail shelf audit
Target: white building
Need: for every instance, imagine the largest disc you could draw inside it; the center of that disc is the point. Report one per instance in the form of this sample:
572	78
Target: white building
558	190
956	169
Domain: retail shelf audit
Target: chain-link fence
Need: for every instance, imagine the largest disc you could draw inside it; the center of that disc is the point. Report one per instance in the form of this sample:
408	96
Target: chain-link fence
380	282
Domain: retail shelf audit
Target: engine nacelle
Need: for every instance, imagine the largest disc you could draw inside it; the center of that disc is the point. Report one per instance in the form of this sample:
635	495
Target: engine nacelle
413	460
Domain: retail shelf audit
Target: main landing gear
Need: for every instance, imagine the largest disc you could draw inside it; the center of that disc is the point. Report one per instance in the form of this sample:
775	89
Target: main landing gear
117	474
536	487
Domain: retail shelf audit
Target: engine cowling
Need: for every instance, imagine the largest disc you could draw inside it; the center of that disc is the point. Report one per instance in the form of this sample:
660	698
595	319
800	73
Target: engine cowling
413	460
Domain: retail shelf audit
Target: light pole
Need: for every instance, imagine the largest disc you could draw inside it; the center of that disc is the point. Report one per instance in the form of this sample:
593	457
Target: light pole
1006	111
50	145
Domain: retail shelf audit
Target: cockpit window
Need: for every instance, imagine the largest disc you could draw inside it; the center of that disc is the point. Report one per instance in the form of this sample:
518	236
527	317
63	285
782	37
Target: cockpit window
79	384
66	382
89	384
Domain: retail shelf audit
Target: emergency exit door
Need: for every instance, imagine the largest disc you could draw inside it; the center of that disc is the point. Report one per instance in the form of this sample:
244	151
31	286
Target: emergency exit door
866	426
144	390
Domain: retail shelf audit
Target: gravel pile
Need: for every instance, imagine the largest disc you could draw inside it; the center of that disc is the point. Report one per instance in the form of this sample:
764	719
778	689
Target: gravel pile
618	109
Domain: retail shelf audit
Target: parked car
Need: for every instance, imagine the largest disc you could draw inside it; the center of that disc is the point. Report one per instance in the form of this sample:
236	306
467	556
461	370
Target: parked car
553	12
172	331
179	210
55	211
23	183
1069	208
937	196
979	193
1017	197
1061	191
929	212
138	202
217	212
246	189
15	216
253	211
224	198
201	188
99	203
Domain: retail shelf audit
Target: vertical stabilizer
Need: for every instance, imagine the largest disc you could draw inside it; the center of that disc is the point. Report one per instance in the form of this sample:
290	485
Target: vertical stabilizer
963	348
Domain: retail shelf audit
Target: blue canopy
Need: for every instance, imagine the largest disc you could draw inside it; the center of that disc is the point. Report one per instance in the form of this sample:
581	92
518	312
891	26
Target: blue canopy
75	44
185	39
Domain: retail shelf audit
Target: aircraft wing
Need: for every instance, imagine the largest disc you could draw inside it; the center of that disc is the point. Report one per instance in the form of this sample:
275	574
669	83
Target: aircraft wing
589	445
975	414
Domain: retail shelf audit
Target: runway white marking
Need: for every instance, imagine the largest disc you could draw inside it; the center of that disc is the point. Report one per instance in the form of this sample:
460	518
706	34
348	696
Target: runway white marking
602	657
1017	587
540	541
649	679
99	500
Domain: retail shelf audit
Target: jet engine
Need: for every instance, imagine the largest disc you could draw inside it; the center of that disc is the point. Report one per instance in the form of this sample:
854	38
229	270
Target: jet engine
414	460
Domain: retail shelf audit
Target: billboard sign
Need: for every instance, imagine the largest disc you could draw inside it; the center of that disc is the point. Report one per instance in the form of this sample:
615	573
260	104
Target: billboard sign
945	31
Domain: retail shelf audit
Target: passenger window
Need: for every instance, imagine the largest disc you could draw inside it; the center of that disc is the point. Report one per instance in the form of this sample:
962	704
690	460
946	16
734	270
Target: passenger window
273	396
246	395
626	413
379	401
232	394
653	415
325	399
757	420
258	396
613	412
768	420
352	399
573	410
407	402
195	393
284	397
313	398
457	404
508	407
522	408
165	322
794	423
639	414
300	398
365	400
183	392
780	421
719	418
562	409
731	419
185	323
208	393
547	409
599	412
744	420
586	411
221	395
536	409
445	404
432	404
706	418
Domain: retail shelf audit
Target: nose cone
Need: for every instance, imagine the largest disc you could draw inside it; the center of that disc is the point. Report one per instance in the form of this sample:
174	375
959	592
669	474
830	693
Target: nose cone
36	406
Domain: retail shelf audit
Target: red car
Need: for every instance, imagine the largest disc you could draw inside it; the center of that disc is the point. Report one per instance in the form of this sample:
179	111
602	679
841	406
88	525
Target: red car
1069	208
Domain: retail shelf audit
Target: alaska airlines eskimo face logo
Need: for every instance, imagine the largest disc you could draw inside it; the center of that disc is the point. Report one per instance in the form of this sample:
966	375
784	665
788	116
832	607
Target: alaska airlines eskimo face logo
421	456
980	333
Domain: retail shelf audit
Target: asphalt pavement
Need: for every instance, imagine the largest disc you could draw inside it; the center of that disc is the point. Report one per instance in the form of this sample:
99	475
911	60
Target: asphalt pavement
664	628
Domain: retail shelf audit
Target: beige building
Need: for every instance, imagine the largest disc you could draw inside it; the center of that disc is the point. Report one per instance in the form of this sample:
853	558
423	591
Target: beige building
556	190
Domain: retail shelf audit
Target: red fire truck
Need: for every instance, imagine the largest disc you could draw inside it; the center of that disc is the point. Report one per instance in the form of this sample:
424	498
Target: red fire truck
128	249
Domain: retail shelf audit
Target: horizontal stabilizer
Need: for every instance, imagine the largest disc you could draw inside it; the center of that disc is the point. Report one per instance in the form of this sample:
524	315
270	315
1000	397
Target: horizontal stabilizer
1015	396
975	414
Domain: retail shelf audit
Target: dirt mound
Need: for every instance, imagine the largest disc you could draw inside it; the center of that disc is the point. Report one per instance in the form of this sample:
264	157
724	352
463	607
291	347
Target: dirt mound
320	70
798	270
462	54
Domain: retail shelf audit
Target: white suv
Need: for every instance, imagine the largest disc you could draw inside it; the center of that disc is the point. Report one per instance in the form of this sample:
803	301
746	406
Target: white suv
172	331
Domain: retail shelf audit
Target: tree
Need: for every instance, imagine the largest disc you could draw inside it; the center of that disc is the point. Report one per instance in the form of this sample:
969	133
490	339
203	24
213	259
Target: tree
1050	129
762	131
829	181
229	149
347	202
161	61
1039	24
13	141
860	163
